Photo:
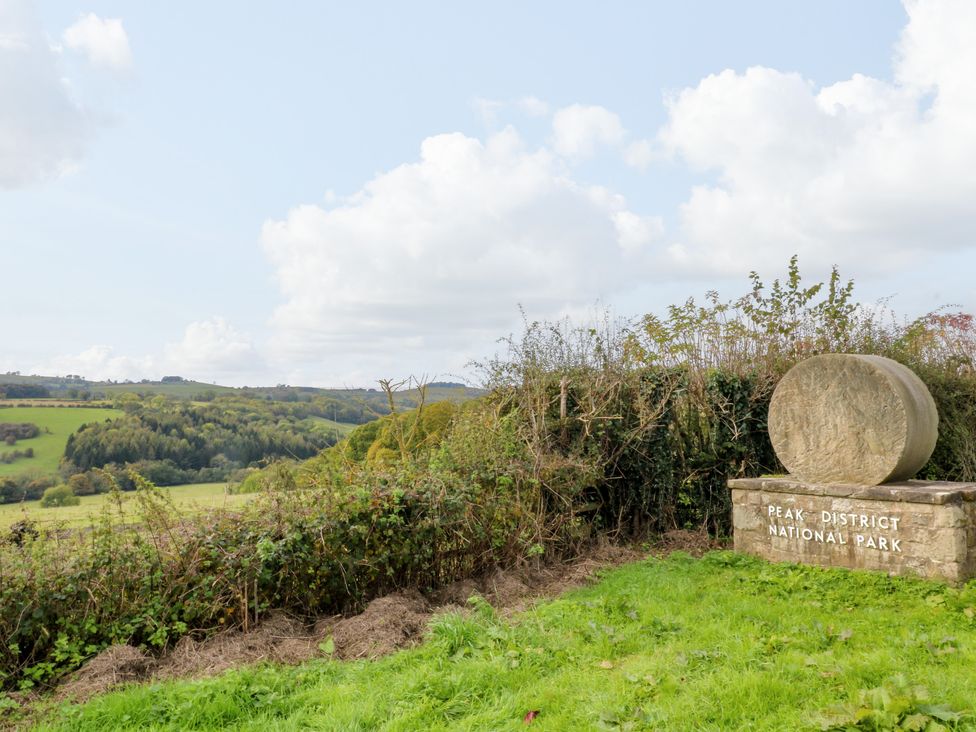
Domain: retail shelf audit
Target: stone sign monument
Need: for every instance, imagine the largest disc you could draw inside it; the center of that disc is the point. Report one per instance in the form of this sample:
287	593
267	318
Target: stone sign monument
853	430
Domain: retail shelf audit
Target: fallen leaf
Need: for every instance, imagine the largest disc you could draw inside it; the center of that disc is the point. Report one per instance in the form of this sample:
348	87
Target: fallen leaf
606	664
529	716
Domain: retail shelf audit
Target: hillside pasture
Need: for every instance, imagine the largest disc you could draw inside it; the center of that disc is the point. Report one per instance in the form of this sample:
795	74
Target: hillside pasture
57	424
53	402
177	390
329	427
189	498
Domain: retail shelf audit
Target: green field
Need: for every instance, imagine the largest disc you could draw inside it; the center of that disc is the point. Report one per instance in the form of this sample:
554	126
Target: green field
192	497
726	642
48	447
327	426
180	390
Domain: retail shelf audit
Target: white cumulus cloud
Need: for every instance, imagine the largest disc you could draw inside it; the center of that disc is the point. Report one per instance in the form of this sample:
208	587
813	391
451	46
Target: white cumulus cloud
210	350
98	362
864	171
579	130
434	257
102	40
43	128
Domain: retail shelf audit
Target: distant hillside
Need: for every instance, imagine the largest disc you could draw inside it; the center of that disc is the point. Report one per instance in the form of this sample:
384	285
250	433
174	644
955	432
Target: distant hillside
370	400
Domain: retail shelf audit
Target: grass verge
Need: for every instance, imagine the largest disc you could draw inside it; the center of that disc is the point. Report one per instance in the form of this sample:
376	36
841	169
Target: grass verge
725	642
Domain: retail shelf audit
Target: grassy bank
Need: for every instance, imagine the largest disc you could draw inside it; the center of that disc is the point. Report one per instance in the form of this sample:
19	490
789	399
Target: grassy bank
56	424
187	498
726	642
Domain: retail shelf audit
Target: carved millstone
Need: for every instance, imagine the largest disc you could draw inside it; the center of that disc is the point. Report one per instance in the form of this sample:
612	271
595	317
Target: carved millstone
852	430
846	418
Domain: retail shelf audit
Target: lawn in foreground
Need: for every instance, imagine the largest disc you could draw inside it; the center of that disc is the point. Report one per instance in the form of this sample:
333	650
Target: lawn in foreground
725	642
48	446
188	498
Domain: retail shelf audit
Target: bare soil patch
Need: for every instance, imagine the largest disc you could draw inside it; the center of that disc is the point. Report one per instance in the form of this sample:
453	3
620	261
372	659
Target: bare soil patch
388	623
113	666
695	543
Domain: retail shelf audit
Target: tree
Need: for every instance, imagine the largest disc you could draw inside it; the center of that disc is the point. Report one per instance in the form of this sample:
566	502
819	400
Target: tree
81	484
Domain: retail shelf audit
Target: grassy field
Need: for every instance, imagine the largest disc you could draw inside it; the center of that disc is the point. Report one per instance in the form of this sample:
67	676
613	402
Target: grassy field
331	428
722	643
52	402
190	497
179	390
48	447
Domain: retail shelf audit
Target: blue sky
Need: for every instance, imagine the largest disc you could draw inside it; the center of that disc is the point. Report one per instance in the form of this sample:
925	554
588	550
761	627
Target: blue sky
334	193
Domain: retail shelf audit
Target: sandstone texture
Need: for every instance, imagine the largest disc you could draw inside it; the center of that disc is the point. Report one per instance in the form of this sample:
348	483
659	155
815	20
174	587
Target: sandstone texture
846	418
921	528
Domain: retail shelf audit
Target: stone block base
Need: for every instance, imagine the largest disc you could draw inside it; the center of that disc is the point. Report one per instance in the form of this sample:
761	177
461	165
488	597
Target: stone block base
921	528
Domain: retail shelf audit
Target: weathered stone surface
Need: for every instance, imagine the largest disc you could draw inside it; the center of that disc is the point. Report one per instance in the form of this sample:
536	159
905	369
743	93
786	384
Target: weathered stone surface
909	491
846	418
913	528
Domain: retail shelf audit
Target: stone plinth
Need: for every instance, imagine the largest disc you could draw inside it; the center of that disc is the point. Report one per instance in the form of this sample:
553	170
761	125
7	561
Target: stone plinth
918	528
847	418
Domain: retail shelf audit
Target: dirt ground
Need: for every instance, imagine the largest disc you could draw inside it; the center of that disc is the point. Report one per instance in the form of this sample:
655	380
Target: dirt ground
388	623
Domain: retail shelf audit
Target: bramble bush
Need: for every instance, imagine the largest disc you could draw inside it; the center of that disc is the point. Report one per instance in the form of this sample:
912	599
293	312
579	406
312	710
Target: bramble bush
153	575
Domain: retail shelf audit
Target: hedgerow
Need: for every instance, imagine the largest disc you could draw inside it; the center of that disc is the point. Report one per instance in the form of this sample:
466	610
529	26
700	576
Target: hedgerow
155	575
617	430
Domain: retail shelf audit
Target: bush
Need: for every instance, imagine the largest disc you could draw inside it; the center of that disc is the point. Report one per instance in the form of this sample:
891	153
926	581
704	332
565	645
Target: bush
59	495
665	410
10	432
148	579
28	486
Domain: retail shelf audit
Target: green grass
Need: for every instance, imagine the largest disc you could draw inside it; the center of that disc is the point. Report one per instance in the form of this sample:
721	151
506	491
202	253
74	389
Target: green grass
330	427
48	448
723	643
178	390
191	497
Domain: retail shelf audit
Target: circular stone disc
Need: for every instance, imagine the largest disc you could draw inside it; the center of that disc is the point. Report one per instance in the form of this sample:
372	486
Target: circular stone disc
846	418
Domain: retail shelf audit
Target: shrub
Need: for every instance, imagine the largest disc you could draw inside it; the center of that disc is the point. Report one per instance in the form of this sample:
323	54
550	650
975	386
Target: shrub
59	495
149	578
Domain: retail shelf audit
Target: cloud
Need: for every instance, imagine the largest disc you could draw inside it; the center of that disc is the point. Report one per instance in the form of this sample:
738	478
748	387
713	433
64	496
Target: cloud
103	41
866	172
98	362
43	130
533	106
211	347
639	154
578	130
210	350
581	131
490	109
433	257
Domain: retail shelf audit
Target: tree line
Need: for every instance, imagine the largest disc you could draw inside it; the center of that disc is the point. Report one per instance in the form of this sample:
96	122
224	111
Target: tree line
10	432
24	391
172	441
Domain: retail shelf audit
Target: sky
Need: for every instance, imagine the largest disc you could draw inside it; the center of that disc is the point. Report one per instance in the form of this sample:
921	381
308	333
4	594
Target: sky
328	194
